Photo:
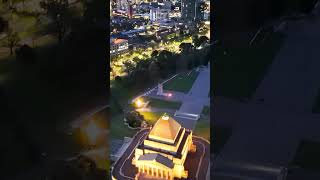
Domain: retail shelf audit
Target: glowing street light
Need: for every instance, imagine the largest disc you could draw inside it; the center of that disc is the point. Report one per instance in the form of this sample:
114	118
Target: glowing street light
139	103
170	94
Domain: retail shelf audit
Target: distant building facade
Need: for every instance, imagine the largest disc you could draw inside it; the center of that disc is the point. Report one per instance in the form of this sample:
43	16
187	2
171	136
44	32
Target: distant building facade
159	14
118	46
189	10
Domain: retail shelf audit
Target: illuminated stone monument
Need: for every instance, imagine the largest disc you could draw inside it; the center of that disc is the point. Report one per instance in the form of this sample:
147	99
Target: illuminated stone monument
160	89
163	153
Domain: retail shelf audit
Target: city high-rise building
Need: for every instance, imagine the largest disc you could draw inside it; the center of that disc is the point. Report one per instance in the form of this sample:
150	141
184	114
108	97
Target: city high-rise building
157	14
189	10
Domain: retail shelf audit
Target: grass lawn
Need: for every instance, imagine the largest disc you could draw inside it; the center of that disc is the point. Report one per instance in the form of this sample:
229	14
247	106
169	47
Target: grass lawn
316	107
158	103
307	155
202	128
118	129
151	117
220	136
206	110
238	73
181	82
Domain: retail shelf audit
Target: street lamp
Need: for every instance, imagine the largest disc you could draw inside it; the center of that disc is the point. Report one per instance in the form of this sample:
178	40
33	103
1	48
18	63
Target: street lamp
139	103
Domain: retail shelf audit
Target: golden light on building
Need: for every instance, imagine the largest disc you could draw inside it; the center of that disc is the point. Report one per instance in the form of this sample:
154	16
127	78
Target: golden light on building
163	153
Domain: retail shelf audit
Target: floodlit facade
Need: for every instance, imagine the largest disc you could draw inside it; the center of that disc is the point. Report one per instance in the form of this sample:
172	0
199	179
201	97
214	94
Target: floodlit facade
118	46
157	14
163	153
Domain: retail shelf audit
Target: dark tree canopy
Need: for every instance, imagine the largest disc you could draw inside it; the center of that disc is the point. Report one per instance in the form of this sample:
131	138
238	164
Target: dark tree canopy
58	11
25	54
3	25
134	119
12	40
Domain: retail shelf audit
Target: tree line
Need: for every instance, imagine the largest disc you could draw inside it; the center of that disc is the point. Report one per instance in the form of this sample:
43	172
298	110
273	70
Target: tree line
163	64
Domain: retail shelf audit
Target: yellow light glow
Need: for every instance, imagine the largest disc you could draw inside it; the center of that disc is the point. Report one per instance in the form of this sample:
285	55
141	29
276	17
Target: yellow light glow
92	131
139	102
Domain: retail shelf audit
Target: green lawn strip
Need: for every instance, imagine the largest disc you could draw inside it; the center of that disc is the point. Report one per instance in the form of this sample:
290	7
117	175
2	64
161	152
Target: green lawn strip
202	128
120	93
237	73
158	103
220	136
206	110
151	117
118	129
181	82
307	155
316	107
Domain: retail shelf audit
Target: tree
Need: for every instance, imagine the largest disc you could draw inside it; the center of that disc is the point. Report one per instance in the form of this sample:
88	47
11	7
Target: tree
3	25
94	10
134	119
128	67
203	39
58	11
182	63
154	71
185	47
154	53
139	78
12	40
117	79
25	54
143	64
196	41
135	59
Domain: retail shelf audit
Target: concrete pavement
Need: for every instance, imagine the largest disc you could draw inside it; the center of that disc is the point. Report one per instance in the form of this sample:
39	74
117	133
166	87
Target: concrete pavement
193	102
266	134
293	79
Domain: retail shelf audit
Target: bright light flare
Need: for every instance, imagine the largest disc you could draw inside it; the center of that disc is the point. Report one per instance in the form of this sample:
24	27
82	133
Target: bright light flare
139	103
169	95
92	131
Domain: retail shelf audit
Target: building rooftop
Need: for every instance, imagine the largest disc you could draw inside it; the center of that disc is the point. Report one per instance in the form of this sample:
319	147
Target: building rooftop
157	158
166	129
119	41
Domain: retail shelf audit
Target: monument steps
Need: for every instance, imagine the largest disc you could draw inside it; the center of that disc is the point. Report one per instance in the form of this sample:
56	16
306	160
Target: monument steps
190	116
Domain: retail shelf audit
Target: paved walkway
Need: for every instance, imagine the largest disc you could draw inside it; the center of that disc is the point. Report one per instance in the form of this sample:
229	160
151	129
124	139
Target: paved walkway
193	102
265	135
198	95
293	79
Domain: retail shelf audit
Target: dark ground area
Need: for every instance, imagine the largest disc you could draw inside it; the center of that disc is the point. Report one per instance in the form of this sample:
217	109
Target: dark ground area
219	137
39	99
238	72
307	155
